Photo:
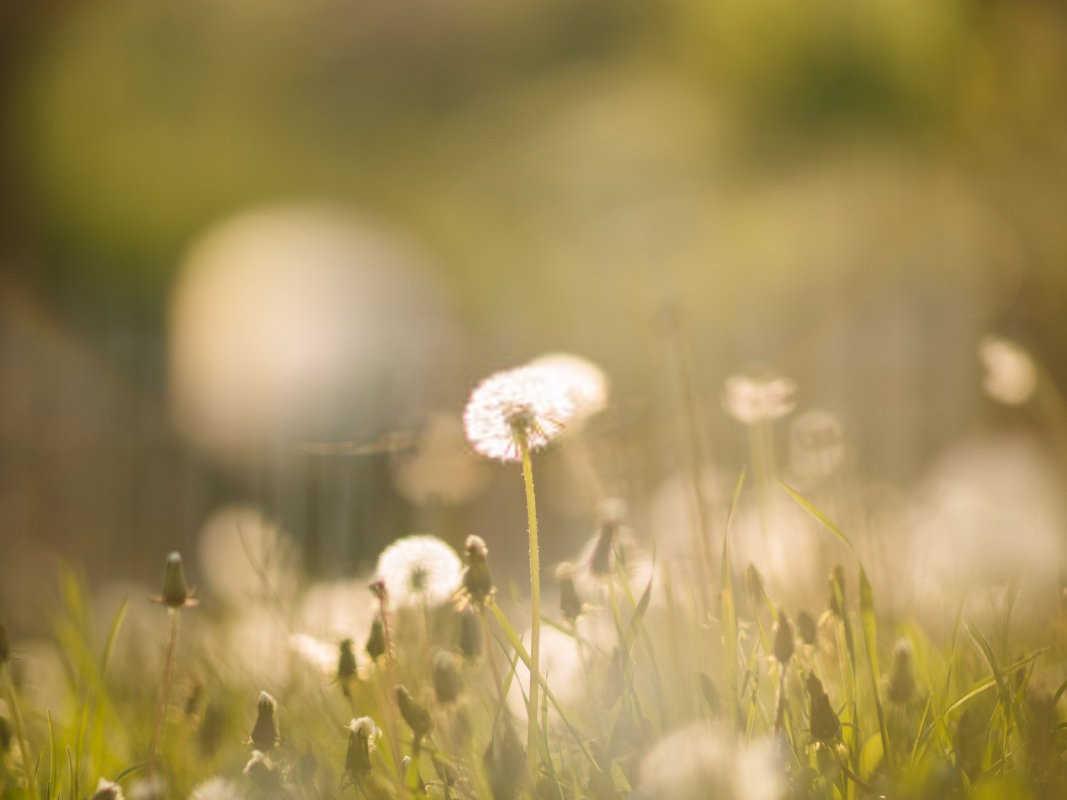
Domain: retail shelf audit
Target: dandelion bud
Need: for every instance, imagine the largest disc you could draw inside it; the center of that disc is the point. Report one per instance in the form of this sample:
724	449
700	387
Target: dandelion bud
447	682
107	790
477	580
569	602
362	739
265	732
376	640
5	646
600	564
417	717
806	627
783	639
505	762
346	665
470	634
837	591
175	591
825	727
901	687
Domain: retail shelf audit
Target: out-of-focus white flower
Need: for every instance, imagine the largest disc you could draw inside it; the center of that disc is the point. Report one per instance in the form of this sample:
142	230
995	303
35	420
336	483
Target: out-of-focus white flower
253	648
565	664
321	656
1010	373
612	552
337	610
521	402
701	761
217	788
442	468
584	382
246	558
816	444
753	400
990	511
419	570
784	544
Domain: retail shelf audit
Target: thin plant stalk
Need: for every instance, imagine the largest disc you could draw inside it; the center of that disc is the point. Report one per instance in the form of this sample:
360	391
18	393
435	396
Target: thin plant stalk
20	728
164	691
535	603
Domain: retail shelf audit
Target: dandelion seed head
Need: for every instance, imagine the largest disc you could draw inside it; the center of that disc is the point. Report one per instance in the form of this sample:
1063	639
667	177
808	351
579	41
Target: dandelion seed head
419	570
107	790
336	610
318	654
365	728
515	404
816	444
752	400
584	382
1010	372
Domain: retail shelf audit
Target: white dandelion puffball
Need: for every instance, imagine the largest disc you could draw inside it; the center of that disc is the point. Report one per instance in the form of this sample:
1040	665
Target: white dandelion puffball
584	382
700	761
518	402
321	656
753	400
1010	372
419	570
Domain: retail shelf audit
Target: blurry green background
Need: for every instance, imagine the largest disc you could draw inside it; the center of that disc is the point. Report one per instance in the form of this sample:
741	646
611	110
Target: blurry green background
853	192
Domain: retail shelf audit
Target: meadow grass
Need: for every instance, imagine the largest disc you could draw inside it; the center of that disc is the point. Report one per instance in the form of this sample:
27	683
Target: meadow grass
639	686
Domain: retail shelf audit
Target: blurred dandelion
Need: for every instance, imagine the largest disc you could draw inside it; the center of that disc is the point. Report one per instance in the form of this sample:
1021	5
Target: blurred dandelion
1010	372
217	788
363	737
321	656
584	383
246	558
701	761
441	469
108	790
816	445
752	400
419	570
336	610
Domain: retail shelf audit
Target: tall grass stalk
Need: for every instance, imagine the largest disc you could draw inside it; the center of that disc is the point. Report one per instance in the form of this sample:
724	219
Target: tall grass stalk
164	690
20	727
535	602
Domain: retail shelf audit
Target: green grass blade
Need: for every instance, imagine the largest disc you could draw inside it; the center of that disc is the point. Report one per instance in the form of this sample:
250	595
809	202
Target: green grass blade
816	514
727	608
869	624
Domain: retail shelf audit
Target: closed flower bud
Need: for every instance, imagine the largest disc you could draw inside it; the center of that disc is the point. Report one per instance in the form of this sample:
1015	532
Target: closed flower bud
376	640
477	581
783	639
175	590
901	685
362	739
825	727
470	634
570	604
346	665
806	627
265	732
107	790
447	681
601	562
417	717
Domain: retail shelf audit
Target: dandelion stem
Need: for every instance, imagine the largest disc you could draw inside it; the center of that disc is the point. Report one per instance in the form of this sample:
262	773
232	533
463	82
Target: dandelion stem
535	604
20	729
164	691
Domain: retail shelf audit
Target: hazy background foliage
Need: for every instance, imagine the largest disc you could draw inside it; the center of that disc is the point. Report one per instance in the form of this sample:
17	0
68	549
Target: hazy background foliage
852	192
